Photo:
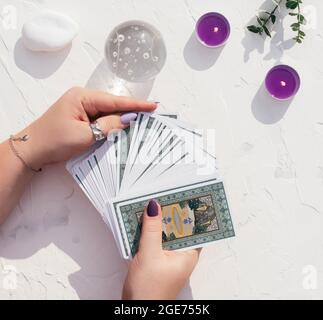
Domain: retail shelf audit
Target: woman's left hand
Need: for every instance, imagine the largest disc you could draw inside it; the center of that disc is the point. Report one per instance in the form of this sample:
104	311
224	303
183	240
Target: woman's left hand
64	130
154	273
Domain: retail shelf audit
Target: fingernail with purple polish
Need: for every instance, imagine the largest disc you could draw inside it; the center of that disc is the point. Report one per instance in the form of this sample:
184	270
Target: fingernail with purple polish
152	209
156	102
126	118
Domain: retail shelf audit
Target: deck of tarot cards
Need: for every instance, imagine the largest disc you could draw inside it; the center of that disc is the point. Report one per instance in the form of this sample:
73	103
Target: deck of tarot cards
158	157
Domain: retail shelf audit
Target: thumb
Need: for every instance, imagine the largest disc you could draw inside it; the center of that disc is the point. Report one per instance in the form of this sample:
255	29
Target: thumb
113	122
151	232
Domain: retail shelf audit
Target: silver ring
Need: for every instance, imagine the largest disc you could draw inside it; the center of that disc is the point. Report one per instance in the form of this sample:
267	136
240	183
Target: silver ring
97	131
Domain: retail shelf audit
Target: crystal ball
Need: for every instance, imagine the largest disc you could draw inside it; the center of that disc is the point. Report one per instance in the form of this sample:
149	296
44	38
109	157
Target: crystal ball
135	51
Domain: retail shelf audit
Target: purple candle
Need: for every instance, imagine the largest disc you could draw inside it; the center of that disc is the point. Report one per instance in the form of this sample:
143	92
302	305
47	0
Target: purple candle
282	82
213	29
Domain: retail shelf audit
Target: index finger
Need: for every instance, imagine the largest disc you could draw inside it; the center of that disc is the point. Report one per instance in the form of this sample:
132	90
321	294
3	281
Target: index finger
98	102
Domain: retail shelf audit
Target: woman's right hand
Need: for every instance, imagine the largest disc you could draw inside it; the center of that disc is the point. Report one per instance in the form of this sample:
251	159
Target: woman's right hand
154	273
64	130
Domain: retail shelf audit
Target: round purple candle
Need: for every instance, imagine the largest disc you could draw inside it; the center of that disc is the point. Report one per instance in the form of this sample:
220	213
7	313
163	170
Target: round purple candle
213	29
282	82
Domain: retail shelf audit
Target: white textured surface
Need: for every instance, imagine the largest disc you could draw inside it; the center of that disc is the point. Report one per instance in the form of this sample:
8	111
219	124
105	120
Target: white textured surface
271	155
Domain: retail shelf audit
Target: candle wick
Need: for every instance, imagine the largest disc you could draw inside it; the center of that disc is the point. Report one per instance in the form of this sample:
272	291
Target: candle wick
216	29
283	83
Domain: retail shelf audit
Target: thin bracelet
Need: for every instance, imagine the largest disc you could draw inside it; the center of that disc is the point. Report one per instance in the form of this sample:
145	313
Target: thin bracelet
16	153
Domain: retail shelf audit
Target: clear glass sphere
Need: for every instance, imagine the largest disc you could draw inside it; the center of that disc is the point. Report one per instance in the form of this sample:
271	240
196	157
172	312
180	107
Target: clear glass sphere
135	51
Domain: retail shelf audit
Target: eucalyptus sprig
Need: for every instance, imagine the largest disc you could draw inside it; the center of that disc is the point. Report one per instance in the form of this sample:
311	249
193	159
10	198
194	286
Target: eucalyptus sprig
292	5
268	17
264	19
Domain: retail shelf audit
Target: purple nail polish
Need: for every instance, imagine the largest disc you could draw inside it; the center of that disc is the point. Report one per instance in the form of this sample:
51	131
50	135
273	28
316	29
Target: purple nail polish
126	118
155	102
152	209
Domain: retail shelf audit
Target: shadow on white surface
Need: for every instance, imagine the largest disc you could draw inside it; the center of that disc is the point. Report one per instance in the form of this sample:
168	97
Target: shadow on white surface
266	109
39	65
103	79
55	215
253	42
199	57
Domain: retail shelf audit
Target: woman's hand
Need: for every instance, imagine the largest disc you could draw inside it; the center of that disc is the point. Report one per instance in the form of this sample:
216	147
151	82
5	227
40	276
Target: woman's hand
64	131
60	134
155	274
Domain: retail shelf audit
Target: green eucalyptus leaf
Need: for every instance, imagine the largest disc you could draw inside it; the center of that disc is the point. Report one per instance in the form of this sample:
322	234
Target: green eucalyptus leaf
259	21
291	4
267	31
273	19
253	29
295	25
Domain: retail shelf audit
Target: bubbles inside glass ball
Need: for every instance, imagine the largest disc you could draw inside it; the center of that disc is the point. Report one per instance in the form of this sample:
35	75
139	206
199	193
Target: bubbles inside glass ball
135	51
